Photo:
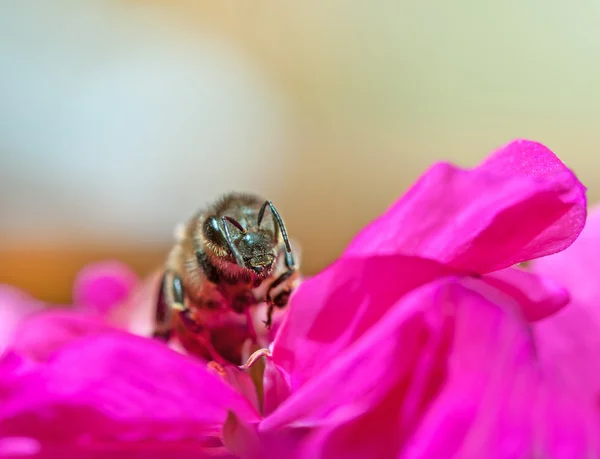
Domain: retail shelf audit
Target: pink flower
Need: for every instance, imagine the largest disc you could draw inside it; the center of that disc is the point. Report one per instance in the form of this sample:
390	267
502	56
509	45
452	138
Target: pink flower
521	203
569	341
107	295
415	343
15	305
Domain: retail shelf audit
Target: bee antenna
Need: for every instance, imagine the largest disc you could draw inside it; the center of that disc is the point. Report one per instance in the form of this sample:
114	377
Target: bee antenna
235	223
238	257
279	221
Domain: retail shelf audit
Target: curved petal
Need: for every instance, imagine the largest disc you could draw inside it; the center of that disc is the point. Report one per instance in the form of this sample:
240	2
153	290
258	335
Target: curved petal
570	340
518	413
333	309
414	332
101	286
537	297
446	374
15	306
520	204
116	389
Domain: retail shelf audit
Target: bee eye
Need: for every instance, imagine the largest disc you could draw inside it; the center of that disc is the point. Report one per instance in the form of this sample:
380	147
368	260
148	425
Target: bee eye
212	232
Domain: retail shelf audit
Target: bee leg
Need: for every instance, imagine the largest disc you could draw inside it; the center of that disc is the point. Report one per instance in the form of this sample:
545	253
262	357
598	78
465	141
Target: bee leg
162	322
269	320
163	329
178	295
281	299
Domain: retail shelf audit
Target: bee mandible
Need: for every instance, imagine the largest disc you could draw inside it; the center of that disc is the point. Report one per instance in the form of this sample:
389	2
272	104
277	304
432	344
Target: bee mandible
227	259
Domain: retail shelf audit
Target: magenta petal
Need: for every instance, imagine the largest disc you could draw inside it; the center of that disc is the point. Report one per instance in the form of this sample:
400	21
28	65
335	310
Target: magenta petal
409	344
570	340
532	159
137	314
15	306
242	382
484	219
116	389
333	309
102	286
495	402
535	296
277	386
514	413
18	447
472	390
41	334
241	438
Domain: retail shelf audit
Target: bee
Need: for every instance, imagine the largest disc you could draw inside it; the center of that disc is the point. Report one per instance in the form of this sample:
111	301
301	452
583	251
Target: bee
227	259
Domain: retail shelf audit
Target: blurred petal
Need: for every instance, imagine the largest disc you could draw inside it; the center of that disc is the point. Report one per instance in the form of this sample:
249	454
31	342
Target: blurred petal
333	309
521	204
241	438
18	447
29	448
138	311
570	340
15	305
116	389
537	296
101	286
41	334
242	382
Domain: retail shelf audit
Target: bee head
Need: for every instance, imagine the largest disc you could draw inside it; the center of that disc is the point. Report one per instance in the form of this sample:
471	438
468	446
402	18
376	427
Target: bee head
258	250
255	251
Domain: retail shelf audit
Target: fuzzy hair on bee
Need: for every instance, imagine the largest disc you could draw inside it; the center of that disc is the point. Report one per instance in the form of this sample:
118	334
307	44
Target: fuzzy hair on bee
227	259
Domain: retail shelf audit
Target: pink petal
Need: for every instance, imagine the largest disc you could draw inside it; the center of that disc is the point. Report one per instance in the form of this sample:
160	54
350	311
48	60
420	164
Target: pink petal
241	438
516	413
15	306
496	403
569	341
242	382
101	286
414	334
532	159
137	313
277	386
521	204
18	447
333	309
116	390
536	297
466	385
43	333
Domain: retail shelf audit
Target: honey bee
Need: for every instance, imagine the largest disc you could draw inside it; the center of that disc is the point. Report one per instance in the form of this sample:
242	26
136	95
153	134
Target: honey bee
227	259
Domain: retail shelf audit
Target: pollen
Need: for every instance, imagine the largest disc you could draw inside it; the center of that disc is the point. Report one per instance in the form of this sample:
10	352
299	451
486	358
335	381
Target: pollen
216	369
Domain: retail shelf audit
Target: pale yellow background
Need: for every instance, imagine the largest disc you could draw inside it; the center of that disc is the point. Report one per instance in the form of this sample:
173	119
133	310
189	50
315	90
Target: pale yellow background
118	119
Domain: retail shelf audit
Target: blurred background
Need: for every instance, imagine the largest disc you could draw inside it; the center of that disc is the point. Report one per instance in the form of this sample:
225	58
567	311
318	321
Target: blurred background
118	119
